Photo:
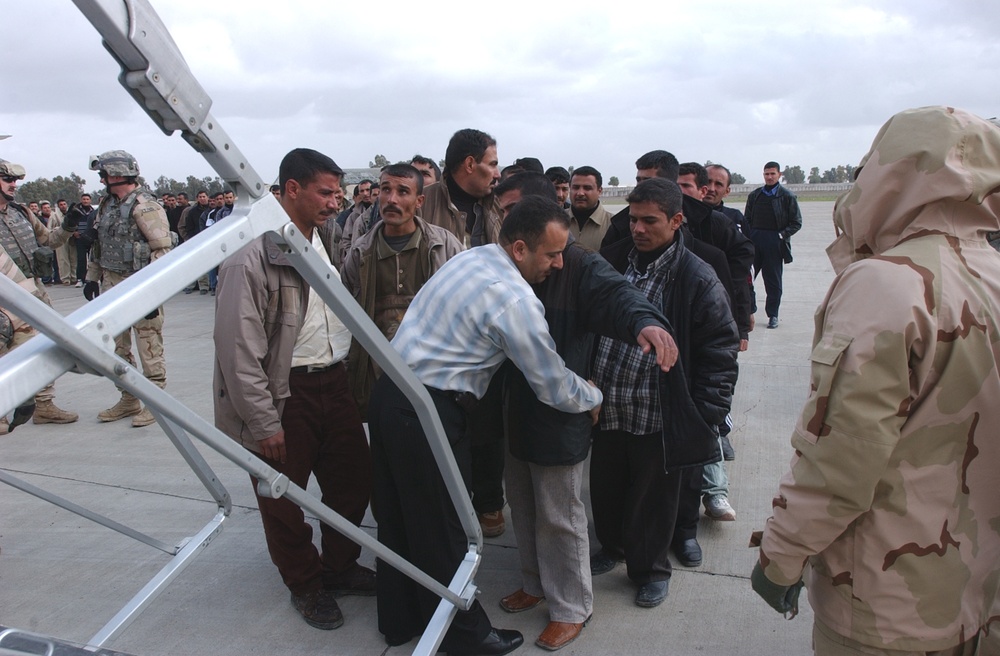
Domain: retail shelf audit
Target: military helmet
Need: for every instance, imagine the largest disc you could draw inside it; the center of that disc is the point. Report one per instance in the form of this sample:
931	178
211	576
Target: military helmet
11	169
115	162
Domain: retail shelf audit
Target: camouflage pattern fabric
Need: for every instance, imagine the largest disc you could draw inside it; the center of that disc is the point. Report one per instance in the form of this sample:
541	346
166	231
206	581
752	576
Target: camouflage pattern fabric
21	331
891	508
131	233
149	337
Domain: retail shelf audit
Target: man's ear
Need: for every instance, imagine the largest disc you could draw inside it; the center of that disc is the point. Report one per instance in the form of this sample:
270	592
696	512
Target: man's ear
518	250
676	220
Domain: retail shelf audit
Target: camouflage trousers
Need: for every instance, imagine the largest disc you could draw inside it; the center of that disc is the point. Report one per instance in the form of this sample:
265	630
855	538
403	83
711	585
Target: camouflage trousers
25	333
148	335
827	642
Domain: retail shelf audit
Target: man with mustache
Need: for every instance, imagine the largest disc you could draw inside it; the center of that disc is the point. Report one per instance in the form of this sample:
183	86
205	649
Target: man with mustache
386	267
281	391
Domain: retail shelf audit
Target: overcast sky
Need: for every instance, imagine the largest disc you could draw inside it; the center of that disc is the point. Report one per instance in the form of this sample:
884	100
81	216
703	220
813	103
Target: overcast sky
740	83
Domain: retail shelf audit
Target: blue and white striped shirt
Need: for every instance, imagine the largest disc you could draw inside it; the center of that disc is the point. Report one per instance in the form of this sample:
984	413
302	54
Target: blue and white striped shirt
475	312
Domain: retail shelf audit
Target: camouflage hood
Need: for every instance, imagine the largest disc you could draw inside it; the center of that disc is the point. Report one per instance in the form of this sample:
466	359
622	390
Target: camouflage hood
933	170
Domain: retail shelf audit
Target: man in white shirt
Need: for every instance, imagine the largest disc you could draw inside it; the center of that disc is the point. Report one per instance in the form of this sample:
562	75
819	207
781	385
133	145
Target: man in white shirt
281	391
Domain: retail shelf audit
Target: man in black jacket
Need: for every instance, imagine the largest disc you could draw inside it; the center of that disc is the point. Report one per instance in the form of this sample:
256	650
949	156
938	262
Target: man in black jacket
654	425
544	472
773	214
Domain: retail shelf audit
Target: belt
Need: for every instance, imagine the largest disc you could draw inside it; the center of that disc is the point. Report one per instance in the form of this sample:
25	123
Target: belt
313	369
465	400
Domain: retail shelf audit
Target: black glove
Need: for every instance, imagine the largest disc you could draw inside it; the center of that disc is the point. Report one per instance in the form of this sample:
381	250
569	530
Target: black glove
91	290
21	416
782	598
152	315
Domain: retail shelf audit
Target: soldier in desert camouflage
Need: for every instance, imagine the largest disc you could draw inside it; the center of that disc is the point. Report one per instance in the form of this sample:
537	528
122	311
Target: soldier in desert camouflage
22	236
891	509
131	231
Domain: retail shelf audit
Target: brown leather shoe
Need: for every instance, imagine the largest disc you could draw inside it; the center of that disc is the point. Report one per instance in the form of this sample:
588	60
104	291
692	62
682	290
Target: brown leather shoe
492	523
559	634
519	601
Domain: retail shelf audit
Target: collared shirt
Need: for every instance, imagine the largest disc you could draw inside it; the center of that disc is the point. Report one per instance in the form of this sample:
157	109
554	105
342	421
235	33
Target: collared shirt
323	340
473	314
626	375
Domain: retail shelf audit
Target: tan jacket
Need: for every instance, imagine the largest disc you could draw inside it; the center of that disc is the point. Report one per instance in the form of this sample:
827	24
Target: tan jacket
440	211
259	308
593	230
892	497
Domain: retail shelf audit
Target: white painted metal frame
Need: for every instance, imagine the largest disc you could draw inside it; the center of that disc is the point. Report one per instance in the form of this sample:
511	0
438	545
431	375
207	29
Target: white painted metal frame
156	75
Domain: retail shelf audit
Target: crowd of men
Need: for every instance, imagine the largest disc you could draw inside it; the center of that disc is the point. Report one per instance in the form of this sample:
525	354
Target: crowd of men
547	329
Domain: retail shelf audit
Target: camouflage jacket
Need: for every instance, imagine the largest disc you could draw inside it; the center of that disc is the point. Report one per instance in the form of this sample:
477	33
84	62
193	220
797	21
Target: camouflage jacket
121	224
13	330
893	497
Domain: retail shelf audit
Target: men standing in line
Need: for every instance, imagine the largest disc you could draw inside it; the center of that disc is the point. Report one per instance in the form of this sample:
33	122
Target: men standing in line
82	222
590	219
463	201
192	222
718	189
653	425
559	177
773	214
21	234
387	266
476	312
280	390
544	469
131	231
889	510
428	168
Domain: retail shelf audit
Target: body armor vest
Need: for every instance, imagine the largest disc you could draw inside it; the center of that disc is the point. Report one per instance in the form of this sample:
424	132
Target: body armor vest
121	243
18	238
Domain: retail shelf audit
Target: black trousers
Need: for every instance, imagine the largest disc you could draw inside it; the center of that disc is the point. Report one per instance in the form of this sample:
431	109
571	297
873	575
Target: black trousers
768	261
688	505
416	518
486	437
635	502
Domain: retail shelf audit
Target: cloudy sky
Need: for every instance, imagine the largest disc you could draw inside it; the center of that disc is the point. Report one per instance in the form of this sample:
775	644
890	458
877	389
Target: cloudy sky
805	83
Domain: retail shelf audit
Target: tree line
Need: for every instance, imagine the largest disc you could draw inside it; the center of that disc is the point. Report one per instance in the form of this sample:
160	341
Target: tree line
73	186
842	173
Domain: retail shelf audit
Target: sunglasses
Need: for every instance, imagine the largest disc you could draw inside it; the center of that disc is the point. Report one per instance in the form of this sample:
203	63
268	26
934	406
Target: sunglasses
9	178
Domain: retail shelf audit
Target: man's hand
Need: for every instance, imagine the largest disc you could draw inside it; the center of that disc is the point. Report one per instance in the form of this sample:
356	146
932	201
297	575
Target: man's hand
744	344
659	340
595	413
274	447
782	598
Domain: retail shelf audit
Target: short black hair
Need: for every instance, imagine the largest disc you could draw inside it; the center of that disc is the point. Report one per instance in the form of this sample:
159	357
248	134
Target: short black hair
558	175
665	163
61	200
464	143
532	164
699	172
528	183
303	165
218	194
529	220
427	161
772	165
201	191
184	193
589	170
405	171
729	175
665	193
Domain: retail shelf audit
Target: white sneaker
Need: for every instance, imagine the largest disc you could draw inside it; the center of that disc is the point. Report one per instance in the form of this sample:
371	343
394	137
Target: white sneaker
718	508
79	283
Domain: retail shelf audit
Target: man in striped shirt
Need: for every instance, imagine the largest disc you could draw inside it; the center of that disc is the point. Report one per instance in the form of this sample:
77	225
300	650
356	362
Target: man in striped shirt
476	312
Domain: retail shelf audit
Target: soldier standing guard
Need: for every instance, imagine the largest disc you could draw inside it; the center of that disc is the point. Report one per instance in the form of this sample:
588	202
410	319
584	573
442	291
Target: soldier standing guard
21	236
131	231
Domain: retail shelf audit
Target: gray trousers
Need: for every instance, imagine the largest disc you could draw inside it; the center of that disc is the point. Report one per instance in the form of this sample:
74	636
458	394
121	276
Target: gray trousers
550	524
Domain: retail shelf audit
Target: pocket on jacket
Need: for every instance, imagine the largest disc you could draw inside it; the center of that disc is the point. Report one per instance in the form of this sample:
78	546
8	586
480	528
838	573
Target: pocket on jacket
825	360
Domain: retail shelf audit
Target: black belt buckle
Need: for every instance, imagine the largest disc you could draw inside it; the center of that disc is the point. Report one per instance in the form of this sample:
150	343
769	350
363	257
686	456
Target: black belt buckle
312	369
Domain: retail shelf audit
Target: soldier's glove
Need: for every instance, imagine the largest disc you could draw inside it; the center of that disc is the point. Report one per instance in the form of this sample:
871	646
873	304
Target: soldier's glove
782	598
152	315
21	416
91	290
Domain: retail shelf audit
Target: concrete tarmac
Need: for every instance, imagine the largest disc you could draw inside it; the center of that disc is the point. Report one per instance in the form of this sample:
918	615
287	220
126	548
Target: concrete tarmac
64	576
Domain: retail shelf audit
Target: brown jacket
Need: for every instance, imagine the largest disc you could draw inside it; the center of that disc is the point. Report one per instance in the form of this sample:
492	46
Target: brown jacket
440	211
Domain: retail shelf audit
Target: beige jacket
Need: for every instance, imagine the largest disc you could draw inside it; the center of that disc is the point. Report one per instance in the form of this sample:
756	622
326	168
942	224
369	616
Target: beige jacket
892	502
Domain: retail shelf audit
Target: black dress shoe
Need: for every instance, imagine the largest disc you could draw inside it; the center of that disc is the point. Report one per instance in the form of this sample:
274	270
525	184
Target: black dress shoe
499	641
688	552
728	453
652	594
602	563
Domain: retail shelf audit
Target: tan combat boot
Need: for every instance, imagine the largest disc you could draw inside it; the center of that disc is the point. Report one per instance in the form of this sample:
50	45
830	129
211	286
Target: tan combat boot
126	407
144	418
47	412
